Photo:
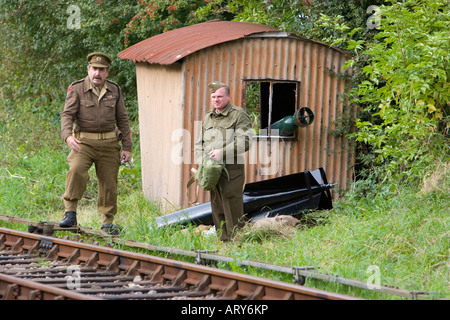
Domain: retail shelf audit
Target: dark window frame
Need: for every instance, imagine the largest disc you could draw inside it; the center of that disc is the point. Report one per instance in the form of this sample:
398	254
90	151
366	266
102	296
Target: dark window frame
268	90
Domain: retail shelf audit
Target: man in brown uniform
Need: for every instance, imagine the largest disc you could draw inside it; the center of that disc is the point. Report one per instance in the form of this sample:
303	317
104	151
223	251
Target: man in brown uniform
226	136
95	106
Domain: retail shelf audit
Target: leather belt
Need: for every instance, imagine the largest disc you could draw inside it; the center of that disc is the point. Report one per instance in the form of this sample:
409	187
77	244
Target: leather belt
98	136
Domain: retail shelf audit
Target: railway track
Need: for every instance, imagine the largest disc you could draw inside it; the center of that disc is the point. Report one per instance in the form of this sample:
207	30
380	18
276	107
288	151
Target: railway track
38	267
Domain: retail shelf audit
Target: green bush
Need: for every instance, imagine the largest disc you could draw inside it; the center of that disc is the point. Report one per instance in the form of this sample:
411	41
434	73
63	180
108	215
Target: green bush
406	93
44	44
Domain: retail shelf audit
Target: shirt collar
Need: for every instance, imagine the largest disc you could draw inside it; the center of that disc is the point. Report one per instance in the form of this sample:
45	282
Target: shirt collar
225	111
89	86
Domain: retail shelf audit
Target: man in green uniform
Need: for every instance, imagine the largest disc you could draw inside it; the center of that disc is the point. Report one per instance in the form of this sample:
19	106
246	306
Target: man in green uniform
92	123
226	135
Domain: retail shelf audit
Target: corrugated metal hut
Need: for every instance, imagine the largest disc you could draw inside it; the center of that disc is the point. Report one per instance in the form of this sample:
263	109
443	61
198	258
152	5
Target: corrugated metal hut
270	73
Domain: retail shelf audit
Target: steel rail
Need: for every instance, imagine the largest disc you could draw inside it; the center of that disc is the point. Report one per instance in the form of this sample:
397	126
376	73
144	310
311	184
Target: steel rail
14	288
200	280
300	273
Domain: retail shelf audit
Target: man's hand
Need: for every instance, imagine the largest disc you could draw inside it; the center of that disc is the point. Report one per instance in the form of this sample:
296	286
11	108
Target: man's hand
73	143
125	156
216	155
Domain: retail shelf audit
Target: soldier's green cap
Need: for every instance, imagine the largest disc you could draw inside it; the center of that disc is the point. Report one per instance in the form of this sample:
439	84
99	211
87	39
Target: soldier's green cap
99	59
216	85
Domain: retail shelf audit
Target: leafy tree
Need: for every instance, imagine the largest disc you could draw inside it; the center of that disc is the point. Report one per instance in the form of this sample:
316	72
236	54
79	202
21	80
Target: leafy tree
401	66
155	17
407	92
400	60
44	44
302	17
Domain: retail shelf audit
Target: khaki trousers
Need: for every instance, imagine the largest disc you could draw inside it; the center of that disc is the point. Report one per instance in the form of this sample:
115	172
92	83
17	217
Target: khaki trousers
227	202
105	154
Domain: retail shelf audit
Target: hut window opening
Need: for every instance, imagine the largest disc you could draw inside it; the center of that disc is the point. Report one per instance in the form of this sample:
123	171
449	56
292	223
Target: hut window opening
268	103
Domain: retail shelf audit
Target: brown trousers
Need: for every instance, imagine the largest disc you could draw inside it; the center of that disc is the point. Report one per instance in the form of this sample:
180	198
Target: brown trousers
227	202
105	154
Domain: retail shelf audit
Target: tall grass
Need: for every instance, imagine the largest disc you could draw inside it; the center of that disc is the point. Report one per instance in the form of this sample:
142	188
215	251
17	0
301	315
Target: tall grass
400	230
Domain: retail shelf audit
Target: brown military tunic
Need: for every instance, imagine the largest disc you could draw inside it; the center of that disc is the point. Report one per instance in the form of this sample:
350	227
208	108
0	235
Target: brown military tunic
231	132
92	117
93	113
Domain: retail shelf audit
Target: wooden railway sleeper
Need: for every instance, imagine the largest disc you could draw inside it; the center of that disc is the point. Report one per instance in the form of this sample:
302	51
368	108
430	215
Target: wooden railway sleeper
154	296
114	288
17	261
29	271
179	279
64	275
98	280
16	257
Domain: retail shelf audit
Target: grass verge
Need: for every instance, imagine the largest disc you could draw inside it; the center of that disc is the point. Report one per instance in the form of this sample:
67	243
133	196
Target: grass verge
399	236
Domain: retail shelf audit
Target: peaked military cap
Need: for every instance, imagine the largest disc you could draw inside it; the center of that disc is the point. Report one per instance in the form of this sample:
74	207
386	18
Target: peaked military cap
216	85
99	59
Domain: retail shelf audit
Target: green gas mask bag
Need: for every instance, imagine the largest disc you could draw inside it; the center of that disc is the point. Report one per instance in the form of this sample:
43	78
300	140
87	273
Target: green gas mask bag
207	175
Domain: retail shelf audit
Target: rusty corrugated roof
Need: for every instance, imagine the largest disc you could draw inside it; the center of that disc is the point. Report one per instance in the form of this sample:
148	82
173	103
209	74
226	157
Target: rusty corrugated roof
169	47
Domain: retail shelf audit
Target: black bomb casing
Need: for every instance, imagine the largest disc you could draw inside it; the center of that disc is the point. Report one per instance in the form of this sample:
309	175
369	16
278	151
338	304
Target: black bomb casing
287	195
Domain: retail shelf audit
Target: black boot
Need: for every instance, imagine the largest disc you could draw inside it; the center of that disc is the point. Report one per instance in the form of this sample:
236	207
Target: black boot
112	229
70	219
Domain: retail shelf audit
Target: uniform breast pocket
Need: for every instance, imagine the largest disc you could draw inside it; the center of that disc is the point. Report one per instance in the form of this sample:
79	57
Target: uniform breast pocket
227	131
109	110
87	110
110	103
209	133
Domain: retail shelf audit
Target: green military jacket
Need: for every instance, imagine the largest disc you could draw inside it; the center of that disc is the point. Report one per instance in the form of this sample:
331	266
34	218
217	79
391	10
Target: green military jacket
230	131
92	113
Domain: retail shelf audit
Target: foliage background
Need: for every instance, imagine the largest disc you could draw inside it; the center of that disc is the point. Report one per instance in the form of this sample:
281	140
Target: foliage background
396	215
401	68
